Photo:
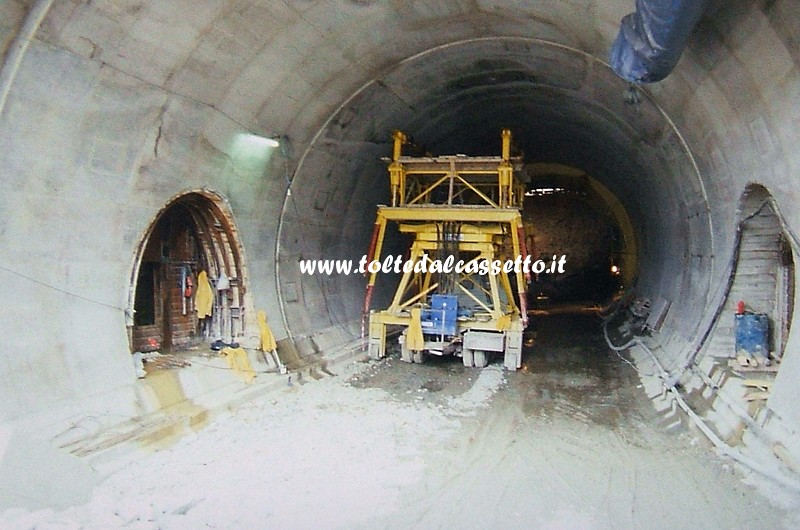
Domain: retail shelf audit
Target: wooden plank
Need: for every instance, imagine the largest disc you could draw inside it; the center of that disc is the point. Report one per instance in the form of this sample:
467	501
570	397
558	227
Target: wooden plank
751	274
758	383
761	229
737	367
754	396
752	261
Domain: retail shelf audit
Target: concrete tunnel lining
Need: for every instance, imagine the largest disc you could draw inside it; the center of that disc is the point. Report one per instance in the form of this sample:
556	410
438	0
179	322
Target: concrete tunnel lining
162	100
562	105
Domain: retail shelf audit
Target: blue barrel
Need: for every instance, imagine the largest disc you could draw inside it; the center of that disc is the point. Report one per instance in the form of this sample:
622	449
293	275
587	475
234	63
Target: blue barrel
752	334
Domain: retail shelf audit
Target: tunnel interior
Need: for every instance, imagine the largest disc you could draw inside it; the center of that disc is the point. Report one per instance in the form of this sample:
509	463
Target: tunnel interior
142	141
567	111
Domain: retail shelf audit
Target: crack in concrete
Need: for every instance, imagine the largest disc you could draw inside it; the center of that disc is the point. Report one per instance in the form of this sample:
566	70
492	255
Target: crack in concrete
160	130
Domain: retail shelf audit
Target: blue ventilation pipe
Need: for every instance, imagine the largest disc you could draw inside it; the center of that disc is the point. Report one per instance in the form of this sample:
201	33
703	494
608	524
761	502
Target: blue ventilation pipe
652	39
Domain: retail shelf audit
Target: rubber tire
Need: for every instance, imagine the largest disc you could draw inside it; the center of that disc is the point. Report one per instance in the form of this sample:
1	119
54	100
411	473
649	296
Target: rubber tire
481	359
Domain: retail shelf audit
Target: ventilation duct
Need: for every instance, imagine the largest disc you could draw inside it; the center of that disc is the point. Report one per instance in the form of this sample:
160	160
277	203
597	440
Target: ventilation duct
651	39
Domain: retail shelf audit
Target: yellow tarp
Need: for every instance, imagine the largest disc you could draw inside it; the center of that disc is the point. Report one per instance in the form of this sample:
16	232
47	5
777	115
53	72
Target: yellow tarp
204	297
268	342
239	362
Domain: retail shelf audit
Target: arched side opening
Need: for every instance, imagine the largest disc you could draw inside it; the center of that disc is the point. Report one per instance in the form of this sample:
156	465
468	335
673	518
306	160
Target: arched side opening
762	278
193	233
745	346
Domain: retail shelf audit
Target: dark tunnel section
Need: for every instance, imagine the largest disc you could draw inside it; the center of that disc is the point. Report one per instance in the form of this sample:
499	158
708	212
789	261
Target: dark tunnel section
630	205
566	217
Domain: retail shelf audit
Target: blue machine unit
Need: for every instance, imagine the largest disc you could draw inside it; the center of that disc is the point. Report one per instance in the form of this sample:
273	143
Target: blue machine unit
752	334
441	318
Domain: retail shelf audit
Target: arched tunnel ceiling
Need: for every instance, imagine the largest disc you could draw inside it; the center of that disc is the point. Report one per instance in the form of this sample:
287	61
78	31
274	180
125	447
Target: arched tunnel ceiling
281	66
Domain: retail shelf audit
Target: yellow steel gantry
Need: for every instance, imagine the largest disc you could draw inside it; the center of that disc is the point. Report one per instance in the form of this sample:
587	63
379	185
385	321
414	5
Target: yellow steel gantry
466	208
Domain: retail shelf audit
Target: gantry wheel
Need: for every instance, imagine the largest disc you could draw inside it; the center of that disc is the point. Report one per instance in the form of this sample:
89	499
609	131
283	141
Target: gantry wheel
467	357
480	358
512	358
406	355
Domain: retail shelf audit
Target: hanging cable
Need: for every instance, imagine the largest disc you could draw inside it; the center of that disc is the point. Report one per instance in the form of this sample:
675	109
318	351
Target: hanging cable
62	291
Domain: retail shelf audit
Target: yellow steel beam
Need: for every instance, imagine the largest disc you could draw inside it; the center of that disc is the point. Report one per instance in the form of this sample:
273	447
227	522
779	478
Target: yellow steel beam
450	213
418	296
427	237
495	296
468	232
429	188
396	169
464	247
447	172
478	192
416	253
504	281
399	140
515	244
397	183
505	173
475	298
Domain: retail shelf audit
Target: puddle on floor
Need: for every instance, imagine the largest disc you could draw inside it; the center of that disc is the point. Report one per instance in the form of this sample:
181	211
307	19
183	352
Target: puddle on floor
569	371
166	387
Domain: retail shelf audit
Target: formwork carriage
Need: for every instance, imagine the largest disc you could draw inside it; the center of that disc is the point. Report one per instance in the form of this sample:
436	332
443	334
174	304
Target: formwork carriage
463	214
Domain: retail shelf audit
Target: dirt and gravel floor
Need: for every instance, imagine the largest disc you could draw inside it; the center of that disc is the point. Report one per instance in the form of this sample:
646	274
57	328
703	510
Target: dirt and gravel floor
570	441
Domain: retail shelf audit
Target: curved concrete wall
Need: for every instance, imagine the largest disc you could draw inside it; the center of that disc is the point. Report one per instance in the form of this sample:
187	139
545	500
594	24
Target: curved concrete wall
116	107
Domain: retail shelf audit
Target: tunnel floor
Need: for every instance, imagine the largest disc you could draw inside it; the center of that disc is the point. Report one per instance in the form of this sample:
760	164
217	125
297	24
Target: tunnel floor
569	441
567	371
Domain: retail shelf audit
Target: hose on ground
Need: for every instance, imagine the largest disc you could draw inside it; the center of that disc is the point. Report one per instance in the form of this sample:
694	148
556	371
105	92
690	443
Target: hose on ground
723	447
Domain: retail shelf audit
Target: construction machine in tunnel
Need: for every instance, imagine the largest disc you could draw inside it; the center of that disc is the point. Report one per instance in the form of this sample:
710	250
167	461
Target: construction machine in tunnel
456	295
